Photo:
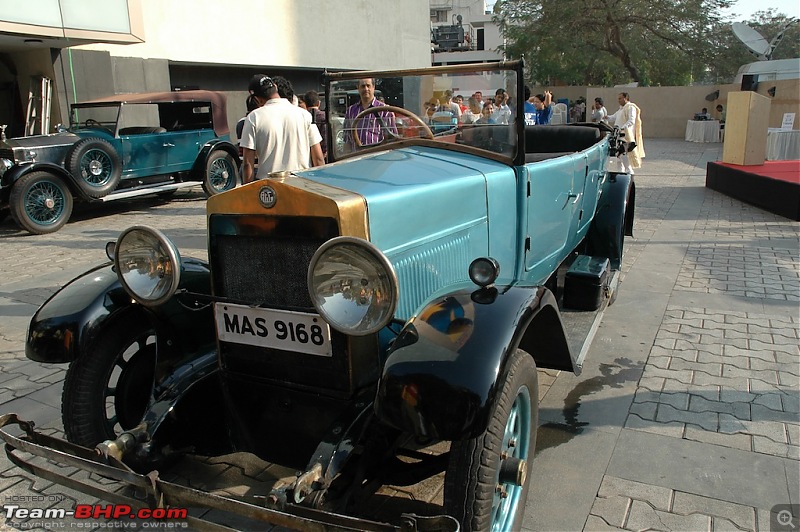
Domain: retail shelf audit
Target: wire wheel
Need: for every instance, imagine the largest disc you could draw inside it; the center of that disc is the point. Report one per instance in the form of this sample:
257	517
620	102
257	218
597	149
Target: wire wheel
40	203
222	173
96	166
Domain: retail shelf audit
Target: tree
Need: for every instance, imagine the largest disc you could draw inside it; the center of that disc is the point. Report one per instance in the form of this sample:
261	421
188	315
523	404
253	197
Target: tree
652	42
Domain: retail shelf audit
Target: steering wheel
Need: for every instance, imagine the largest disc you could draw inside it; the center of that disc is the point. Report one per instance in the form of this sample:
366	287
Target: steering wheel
91	122
389	134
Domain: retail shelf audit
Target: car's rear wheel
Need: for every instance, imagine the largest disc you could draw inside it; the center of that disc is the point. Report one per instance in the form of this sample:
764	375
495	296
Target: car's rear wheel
488	477
96	165
107	390
40	203
222	173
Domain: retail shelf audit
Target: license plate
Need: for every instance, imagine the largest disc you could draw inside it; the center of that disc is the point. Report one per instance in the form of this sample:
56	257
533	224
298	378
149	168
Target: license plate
277	329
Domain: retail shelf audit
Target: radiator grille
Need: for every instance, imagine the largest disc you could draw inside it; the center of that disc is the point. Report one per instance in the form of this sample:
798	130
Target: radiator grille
261	260
267	263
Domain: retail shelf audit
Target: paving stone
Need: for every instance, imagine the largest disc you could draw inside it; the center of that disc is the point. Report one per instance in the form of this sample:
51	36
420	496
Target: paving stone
771	447
612	511
658	497
645	517
672	428
742	516
735	441
594	523
706	420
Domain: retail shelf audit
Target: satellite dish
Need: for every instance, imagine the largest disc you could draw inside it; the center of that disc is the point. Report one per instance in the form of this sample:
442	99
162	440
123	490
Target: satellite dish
754	41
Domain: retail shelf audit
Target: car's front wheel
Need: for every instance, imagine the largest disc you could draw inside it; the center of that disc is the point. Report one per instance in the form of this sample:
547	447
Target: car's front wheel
40	203
222	173
488	477
106	391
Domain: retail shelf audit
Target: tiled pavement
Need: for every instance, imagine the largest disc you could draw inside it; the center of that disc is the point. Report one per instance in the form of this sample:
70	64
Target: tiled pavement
686	416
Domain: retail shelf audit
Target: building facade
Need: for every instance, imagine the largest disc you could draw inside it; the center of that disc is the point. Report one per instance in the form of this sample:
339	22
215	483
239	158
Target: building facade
56	52
462	31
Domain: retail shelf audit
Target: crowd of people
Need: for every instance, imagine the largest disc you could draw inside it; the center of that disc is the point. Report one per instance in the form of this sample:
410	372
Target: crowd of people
284	132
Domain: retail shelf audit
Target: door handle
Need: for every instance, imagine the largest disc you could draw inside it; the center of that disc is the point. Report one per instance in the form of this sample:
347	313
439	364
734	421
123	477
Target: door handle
168	145
573	195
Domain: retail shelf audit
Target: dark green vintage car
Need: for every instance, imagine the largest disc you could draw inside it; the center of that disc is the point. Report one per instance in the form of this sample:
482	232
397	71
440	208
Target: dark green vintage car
118	147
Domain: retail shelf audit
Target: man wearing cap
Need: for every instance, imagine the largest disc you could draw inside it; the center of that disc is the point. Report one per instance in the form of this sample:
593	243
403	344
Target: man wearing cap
280	134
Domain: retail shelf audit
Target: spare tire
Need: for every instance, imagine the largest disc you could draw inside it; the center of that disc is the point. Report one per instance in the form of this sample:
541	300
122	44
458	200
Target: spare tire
96	166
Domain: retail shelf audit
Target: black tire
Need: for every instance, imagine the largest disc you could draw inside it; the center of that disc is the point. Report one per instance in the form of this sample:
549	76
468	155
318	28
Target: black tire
472	480
107	389
222	173
40	203
96	166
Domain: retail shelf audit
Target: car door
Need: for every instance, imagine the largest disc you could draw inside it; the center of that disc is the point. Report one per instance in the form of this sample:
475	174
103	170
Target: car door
142	140
553	205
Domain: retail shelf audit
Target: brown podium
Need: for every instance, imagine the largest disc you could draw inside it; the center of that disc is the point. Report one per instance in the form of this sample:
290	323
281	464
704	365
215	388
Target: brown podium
746	127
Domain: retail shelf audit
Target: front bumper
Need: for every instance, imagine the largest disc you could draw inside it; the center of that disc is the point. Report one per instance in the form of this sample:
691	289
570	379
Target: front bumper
158	493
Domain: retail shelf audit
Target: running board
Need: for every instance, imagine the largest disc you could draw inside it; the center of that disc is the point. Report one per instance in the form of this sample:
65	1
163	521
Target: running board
149	190
581	325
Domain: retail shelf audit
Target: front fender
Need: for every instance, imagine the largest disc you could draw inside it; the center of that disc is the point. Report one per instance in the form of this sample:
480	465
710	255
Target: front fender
441	373
199	169
68	322
18	171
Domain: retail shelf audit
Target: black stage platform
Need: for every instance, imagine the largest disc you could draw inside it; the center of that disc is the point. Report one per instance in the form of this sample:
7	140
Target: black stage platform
773	186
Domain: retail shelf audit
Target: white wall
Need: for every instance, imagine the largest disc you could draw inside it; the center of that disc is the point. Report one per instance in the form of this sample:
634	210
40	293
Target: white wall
337	34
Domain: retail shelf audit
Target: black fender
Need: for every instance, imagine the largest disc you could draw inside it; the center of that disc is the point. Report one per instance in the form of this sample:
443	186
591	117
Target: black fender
67	323
199	168
613	219
18	171
440	378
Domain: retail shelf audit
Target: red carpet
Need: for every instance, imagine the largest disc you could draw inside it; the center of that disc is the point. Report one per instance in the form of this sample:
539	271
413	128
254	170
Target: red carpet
783	170
773	186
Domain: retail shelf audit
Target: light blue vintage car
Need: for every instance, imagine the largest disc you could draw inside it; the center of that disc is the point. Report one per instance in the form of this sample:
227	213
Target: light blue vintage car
399	298
118	147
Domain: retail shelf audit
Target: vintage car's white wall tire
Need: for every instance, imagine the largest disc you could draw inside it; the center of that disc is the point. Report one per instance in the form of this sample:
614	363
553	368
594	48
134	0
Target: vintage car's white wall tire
222	173
471	482
40	203
96	166
107	389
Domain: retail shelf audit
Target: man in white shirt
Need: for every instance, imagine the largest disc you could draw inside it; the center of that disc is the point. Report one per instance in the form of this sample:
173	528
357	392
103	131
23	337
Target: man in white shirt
281	134
629	119
502	112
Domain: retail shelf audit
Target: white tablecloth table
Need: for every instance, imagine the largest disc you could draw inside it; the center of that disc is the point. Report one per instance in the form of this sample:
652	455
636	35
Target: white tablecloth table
783	144
702	130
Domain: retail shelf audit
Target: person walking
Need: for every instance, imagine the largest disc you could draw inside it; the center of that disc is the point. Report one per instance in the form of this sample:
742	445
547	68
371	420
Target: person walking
279	133
311	99
599	113
629	119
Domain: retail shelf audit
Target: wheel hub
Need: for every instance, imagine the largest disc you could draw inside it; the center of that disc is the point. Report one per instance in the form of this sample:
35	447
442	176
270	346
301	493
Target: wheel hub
49	203
95	168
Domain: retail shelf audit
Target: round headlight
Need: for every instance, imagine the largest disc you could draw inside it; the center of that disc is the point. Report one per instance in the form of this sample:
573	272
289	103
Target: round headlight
148	265
484	271
353	285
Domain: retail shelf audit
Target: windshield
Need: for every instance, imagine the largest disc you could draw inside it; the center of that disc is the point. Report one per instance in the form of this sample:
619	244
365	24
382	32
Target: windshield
474	106
94	117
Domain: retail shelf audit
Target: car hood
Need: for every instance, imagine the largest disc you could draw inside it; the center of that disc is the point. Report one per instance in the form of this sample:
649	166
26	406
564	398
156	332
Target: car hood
38	141
413	193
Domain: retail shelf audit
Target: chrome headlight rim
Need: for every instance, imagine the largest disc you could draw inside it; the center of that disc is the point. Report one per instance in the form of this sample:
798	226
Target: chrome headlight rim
382	261
171	253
